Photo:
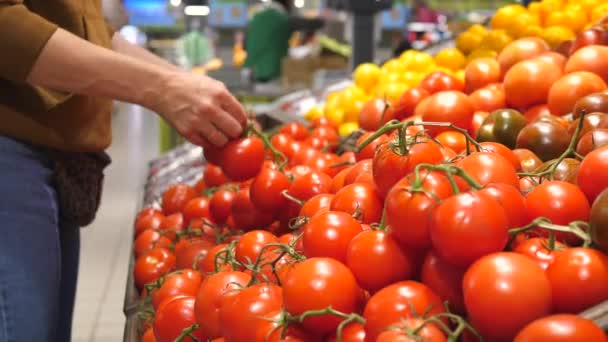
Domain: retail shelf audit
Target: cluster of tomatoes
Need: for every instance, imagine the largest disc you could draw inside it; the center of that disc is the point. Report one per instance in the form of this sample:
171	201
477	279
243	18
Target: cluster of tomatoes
420	233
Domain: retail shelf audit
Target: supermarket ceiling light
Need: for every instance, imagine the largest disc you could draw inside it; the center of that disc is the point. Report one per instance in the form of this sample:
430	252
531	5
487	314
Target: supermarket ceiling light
298	3
196	10
175	3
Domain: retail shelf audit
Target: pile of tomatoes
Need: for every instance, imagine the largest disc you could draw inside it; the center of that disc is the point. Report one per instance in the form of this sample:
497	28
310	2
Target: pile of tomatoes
421	233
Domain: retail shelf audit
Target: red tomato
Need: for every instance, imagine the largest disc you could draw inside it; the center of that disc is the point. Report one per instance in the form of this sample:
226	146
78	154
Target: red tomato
209	261
269	330
220	205
579	279
425	331
374	114
337	182
318	283
359	168
175	316
152	265
570	88
503	150
317	204
171	225
181	283
389	167
408	102
148	336
284	144
296	130
561	328
326	133
448	106
289	239
537	111
467	217
148	240
592	178
486	168
214	176
593	58
376	260
553	57
243	158
251	243
322	121
146	212
309	185
445	280
328	234
359	199
353	332
148	222
440	81
408	213
317	143
266	191
488	100
245	215
215	291
521	50
509	281
369	150
480	73
454	140
537	249
196	208
478	119
192	254
240	316
395	302
511	200
176	197
560	202
528	83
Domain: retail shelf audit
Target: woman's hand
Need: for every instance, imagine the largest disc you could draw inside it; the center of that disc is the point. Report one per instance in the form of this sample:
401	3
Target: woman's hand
200	108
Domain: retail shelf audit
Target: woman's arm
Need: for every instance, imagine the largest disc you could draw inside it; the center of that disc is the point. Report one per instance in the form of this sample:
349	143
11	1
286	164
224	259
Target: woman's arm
122	46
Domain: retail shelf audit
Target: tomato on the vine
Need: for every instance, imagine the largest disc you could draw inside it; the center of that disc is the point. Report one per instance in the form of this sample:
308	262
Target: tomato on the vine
176	197
243	158
328	234
220	205
511	200
445	280
592	178
197	207
214	176
148	240
266	191
407	103
418	330
245	215
250	245
487	167
368	151
538	249
184	282
562	327
375	113
193	252
148	222
316	204
296	130
152	265
360	200
173	317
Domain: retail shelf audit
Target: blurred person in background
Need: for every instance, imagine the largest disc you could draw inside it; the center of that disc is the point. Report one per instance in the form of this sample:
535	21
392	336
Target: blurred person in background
61	66
423	13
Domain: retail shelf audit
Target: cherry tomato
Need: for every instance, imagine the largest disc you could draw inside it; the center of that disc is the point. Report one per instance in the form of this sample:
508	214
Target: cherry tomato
375	113
197	207
561	328
328	234
318	283
537	249
322	121
148	222
592	103
251	243
181	283
480	73
176	197
326	133
266	191
598	221
376	260
245	215
220	205
567	90
152	265
537	111
592	178
521	50
284	144
547	139
175	316
148	240
317	204
593	58
509	281
453	140
172	225
440	81
296	130
528	83
215	291
359	199
408	102
192	254
467	217
448	106
243	158
579	279
592	140
488	99
486	168
395	302
146	212
425	331
214	176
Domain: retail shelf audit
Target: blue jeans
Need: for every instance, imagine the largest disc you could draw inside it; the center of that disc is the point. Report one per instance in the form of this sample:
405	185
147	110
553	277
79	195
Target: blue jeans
38	253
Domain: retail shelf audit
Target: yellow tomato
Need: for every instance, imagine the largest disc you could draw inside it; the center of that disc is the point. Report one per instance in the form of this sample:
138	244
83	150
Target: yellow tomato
348	128
506	16
534	8
548	7
460	75
411	78
599	12
481	53
589	5
366	76
421	62
450	58
478	29
519	29
389	77
335	116
555	35
315	113
496	40
391	91
468	41
407	56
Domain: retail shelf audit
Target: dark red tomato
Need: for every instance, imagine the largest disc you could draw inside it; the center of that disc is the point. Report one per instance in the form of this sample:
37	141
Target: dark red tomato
175	316
220	205
215	291
486	168
562	203
192	254
152	265
592	140
269	330
503	150
408	102
362	166
296	130
445	280
478	119
390	166
561	328
354	332
369	150
148	222
181	283
214	176
317	204
240	316
509	281
395	302
424	331
511	200
328	234
309	185
304	156
196	208
409	214
251	243
284	144
148	240
376	260
537	249
326	133
172	225
448	106
592	178
579	279
464	218
318	283
337	182
245	215
243	158
266	191
440	81
176	197
360	200
375	113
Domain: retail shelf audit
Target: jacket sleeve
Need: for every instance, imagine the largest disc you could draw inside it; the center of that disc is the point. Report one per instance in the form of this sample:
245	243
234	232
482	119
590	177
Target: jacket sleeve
23	35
